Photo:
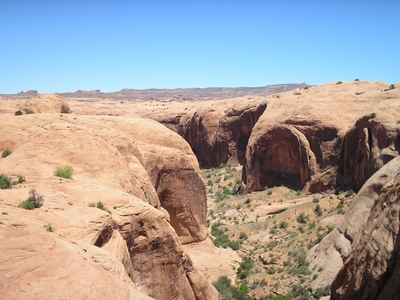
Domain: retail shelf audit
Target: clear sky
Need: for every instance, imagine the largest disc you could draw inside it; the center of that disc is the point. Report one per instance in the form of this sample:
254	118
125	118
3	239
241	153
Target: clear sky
62	46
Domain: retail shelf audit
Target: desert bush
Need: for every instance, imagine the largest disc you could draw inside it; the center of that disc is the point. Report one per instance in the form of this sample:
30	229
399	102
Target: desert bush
21	179
28	111
339	82
5	153
35	200
5	182
318	210
302	218
283	225
65	109
18	113
100	205
49	228
356	79
64	172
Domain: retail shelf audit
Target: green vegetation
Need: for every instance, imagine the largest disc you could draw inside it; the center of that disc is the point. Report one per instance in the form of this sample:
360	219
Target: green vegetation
64	172
5	182
28	111
302	218
221	239
35	200
18	113
49	228
339	82
391	87
318	210
5	153
228	291
65	109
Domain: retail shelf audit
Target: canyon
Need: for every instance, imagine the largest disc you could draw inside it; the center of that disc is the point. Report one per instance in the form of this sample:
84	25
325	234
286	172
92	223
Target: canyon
144	157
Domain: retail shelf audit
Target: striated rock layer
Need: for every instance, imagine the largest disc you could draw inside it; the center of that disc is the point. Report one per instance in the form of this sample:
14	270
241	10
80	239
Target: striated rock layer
364	247
372	268
131	249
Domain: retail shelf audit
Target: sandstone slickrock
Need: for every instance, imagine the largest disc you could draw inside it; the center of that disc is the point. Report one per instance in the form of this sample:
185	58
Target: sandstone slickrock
132	250
372	269
307	140
360	225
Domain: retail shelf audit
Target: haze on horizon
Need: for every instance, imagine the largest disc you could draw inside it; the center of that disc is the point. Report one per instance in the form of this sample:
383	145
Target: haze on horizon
63	46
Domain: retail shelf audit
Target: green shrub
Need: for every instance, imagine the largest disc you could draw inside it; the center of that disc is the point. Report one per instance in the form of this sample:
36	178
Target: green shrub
28	111
318	210
21	179
5	182
65	109
27	205
302	218
339	82
283	225
18	113
6	153
100	205
35	198
356	79
64	172
49	228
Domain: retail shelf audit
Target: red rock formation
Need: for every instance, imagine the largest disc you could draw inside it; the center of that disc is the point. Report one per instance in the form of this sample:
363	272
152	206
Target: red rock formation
345	147
219	133
279	155
133	246
359	227
365	149
372	269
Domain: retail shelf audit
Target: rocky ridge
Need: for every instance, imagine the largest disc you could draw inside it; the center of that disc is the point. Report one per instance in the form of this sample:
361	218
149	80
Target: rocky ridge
131	243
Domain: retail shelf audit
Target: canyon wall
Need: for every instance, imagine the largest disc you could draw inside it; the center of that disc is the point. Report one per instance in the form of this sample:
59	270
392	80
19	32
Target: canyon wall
306	140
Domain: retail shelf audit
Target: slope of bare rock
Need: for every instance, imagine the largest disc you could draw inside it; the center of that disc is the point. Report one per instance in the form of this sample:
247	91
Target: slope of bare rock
131	240
334	249
347	145
34	265
372	269
175	176
212	261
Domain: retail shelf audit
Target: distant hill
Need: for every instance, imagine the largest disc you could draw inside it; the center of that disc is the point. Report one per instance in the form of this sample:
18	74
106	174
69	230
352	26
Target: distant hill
190	94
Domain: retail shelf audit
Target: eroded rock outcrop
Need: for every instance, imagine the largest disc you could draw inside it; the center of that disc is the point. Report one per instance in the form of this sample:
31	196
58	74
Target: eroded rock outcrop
339	246
217	132
130	244
307	141
372	269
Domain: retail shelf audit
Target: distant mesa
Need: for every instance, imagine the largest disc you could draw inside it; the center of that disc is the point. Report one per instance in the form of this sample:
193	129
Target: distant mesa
127	90
91	91
30	92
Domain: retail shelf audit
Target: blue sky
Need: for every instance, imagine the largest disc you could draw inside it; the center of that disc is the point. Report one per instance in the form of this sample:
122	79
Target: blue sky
60	46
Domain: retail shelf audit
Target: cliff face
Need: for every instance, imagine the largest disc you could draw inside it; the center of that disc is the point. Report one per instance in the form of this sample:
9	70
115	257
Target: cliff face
217	132
372	268
364	247
133	247
306	140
